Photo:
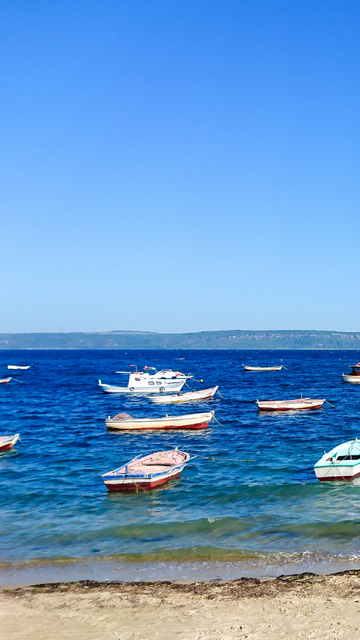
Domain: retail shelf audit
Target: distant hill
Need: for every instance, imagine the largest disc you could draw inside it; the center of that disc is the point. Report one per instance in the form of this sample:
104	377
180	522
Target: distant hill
201	340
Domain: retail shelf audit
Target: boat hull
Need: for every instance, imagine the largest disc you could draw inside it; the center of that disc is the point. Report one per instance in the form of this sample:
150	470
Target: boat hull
173	387
195	421
290	406
192	396
333	473
5	380
7	443
352	379
140	484
258	369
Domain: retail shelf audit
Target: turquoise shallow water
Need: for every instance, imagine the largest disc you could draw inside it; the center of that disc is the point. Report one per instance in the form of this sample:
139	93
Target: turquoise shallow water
257	515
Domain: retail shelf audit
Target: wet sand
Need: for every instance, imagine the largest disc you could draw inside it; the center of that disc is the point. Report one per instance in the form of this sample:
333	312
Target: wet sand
301	606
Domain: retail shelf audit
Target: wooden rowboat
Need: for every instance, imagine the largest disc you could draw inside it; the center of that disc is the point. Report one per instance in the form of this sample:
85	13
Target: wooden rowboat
124	422
7	442
5	380
15	366
191	396
289	405
147	472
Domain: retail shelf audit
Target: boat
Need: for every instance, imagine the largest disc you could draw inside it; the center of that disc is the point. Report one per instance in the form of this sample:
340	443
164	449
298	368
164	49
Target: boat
147	472
354	375
341	463
7	442
143	382
190	396
247	367
5	380
14	366
124	422
289	405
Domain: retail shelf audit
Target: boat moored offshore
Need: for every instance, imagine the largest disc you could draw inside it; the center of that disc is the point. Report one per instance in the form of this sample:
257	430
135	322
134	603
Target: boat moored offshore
247	367
142	382
124	422
7	442
341	463
189	396
354	375
147	472
290	405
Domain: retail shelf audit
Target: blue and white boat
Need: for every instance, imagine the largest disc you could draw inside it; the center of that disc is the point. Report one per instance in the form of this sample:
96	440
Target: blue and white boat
341	463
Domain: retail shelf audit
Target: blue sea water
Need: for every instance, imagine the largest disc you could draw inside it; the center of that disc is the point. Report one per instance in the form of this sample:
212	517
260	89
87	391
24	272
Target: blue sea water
249	503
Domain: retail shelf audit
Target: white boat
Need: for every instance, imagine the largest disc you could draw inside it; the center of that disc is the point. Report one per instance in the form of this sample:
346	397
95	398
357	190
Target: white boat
124	422
289	405
190	396
247	367
5	380
14	366
142	382
354	375
147	472
341	463
7	442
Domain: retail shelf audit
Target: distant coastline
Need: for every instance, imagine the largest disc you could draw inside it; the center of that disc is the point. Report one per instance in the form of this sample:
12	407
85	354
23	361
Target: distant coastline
212	340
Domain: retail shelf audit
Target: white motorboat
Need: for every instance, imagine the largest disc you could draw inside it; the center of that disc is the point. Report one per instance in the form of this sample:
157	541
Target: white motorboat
190	396
142	382
289	405
341	463
354	375
247	367
124	422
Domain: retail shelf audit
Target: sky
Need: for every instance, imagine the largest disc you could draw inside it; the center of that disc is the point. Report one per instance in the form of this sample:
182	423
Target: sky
179	165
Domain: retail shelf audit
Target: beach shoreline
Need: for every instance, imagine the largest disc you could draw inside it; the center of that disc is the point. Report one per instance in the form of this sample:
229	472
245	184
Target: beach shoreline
296	606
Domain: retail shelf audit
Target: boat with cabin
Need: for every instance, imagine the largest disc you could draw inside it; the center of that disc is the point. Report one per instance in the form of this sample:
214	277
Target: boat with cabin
341	463
189	396
143	382
354	375
147	472
7	442
125	422
289	405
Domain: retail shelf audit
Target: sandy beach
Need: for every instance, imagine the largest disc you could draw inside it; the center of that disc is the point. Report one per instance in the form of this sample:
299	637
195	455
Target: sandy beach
303	606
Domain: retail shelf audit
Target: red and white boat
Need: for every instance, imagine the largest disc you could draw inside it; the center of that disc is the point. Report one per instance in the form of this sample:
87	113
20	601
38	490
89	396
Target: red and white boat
289	405
5	380
124	422
147	472
191	396
7	442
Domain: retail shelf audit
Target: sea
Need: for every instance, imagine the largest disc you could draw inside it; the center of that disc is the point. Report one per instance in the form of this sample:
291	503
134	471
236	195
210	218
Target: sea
248	504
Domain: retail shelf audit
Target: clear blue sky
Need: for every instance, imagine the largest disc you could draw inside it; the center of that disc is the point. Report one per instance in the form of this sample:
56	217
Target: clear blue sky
179	165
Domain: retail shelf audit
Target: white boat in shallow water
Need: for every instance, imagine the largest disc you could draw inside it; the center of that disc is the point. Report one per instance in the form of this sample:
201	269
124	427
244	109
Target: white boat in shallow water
289	405
124	422
247	367
341	463
190	396
142	382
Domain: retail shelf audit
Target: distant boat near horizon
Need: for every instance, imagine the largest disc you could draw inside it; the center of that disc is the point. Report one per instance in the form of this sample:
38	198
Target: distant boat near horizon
15	366
248	367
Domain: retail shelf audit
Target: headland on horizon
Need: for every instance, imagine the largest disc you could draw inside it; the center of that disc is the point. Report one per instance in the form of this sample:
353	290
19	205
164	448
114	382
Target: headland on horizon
212	340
